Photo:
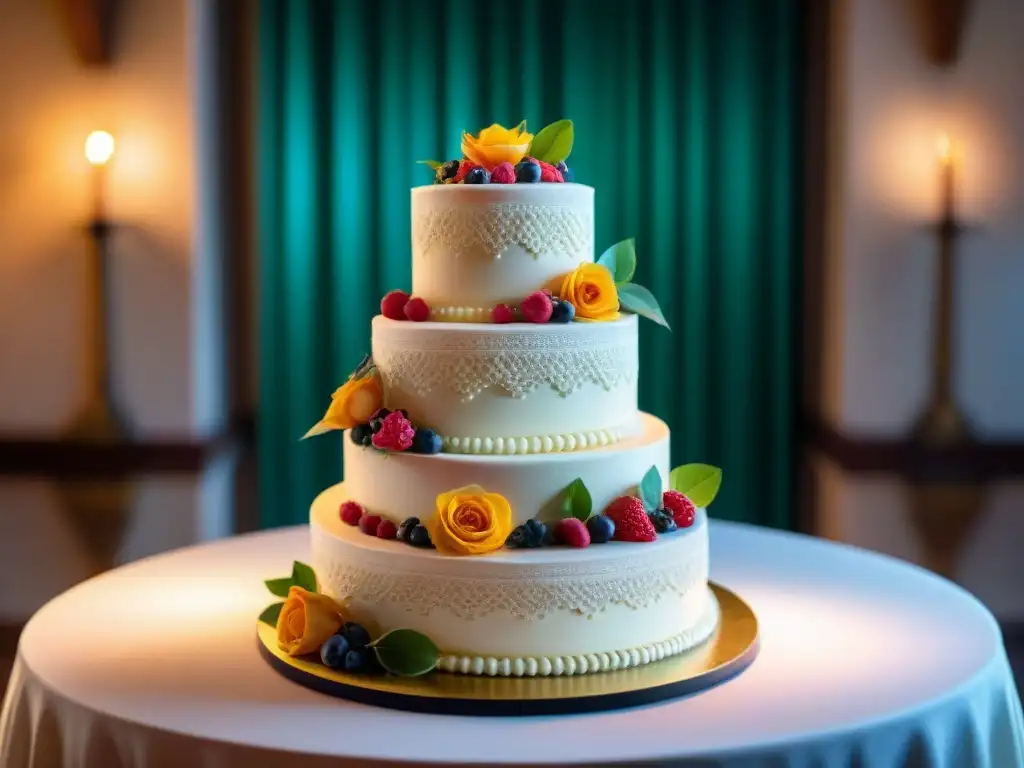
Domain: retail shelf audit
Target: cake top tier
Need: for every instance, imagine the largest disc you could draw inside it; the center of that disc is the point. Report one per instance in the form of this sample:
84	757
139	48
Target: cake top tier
499	155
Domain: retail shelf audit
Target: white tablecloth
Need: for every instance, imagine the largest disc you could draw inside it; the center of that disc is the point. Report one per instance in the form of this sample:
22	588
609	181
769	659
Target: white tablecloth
864	661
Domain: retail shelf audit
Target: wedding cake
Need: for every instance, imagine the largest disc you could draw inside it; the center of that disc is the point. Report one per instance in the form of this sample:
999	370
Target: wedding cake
505	500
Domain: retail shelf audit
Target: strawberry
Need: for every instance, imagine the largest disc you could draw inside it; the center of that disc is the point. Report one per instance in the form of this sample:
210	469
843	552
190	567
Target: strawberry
464	167
631	521
680	507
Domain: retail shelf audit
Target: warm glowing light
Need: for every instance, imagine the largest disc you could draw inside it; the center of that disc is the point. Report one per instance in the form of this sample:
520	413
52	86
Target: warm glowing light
944	149
99	147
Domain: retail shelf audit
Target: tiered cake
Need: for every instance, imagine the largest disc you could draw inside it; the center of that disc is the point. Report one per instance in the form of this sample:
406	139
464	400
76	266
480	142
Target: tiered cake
503	494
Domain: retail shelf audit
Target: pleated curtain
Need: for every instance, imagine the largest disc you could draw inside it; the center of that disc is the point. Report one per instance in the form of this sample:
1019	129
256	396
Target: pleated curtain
687	117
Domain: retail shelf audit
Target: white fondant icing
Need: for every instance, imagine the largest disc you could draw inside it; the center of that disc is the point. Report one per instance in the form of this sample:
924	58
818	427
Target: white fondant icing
523	380
481	245
590	663
548	604
401	485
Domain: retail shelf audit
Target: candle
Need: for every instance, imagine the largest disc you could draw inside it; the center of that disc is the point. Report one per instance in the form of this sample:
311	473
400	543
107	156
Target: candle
946	178
99	148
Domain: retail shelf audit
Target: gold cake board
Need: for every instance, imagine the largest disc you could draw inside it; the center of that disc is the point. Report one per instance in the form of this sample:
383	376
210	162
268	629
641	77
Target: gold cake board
729	651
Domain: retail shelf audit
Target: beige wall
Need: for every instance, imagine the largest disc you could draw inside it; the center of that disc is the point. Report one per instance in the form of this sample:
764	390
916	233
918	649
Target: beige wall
889	105
48	104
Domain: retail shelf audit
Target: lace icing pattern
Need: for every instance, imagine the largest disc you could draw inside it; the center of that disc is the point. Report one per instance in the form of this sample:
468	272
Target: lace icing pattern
515	363
490	229
533	598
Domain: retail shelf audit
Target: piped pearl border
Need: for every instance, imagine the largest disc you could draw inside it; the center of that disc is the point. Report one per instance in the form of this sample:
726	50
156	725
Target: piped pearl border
566	666
510	446
461	314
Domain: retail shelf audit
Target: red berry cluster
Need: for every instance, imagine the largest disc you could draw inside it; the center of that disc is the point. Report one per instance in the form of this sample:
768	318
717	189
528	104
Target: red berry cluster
399	305
372	525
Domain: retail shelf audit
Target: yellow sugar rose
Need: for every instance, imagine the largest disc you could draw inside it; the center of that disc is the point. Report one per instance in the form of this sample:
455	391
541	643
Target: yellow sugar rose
497	145
354	402
306	621
470	521
590	288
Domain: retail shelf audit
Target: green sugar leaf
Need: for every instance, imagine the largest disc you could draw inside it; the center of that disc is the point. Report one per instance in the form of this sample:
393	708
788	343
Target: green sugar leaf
650	489
303	576
279	587
553	143
576	501
620	260
406	652
697	482
270	614
635	298
434	164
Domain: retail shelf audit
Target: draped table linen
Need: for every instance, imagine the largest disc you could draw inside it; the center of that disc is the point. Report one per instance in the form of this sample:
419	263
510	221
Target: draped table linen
864	661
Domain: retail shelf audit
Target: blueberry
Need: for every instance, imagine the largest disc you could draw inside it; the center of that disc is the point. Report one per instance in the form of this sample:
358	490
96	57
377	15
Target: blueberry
601	528
448	170
478	176
406	528
368	438
662	521
375	425
358	660
426	441
562	312
420	537
527	172
359	433
380	414
517	539
333	651
567	173
355	634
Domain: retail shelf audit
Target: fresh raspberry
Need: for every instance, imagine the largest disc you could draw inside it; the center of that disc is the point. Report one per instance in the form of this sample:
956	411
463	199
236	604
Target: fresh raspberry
572	533
368	524
537	307
464	167
351	512
386	529
681	508
631	521
548	172
417	310
502	314
395	433
503	173
392	306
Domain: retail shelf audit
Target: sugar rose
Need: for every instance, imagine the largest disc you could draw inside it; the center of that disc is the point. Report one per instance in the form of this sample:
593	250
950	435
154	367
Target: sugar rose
470	521
590	288
496	145
306	621
354	402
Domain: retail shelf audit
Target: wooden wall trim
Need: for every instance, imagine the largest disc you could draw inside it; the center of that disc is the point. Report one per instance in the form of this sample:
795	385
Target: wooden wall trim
55	458
976	462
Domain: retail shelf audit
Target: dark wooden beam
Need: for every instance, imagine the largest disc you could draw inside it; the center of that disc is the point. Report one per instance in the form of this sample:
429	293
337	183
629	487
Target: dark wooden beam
59	459
89	26
940	27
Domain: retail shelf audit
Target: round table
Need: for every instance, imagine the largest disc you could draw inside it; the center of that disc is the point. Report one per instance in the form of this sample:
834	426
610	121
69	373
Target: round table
864	661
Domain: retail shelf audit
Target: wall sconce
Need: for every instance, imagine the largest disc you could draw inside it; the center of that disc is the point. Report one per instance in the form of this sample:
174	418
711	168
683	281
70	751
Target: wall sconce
98	510
946	503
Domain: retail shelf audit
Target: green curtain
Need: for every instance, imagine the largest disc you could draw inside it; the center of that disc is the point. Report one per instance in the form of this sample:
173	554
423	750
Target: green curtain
687	124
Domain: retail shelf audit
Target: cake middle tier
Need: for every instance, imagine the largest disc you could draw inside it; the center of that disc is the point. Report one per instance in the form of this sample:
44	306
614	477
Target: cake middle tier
402	485
518	388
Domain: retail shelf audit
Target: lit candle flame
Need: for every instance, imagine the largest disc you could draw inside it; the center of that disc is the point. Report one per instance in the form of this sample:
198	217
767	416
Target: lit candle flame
99	147
944	149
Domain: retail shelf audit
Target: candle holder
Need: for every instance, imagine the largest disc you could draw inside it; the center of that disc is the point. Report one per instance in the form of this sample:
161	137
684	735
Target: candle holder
946	503
98	510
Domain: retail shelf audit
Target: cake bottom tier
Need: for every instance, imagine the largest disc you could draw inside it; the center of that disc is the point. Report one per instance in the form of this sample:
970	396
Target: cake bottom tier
547	611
